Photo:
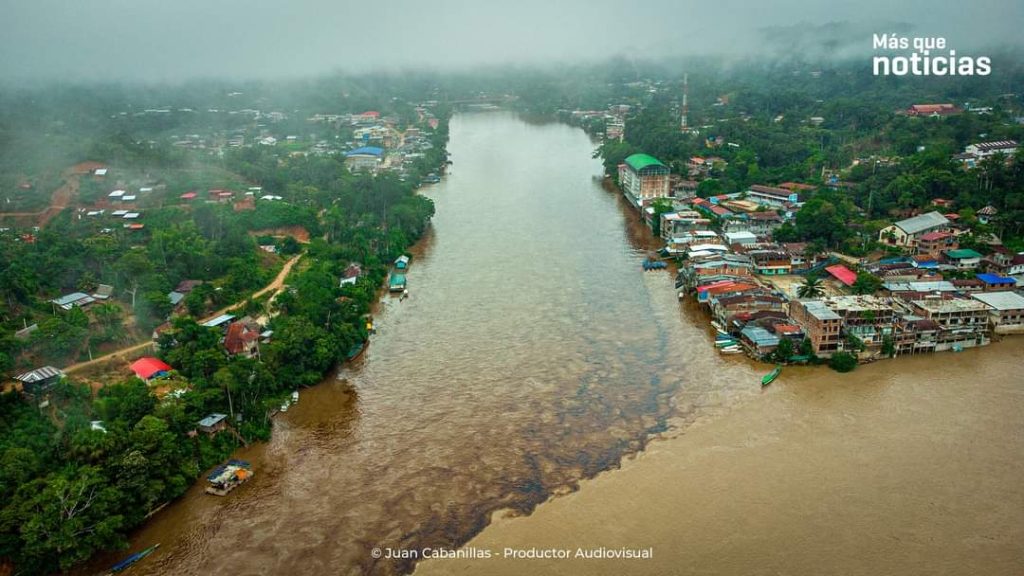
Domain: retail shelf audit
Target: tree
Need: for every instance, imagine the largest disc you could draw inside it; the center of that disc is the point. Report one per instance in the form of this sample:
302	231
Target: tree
854	343
132	267
70	515
661	206
811	288
784	351
866	283
806	347
888	347
709	187
842	362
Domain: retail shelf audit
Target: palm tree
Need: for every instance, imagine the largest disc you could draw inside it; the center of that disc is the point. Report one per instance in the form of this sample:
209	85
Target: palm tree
811	288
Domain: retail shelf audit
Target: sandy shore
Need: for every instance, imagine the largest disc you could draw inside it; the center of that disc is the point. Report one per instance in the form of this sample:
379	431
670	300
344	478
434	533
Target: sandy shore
910	466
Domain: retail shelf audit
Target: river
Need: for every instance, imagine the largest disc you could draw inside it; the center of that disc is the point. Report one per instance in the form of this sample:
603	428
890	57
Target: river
533	353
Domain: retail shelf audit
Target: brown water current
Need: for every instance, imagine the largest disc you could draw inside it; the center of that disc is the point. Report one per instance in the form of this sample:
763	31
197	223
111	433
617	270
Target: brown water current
532	352
903	467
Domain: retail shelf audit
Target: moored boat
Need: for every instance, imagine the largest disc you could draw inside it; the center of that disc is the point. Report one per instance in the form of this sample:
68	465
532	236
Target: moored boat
731	350
356	351
771	376
130	560
397	282
228	476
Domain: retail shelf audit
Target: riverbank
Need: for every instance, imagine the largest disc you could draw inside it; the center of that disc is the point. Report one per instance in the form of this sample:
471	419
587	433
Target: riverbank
902	467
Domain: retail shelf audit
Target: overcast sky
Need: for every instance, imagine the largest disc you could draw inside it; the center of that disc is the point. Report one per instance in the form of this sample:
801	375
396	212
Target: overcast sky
159	40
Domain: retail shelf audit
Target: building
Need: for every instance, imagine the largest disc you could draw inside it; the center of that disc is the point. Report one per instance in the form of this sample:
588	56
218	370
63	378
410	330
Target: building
932	110
963	323
986	214
350	275
771	262
908	232
935	243
40	379
69	301
821	324
743	238
986	149
772	196
643	179
758	340
869	318
242	340
219	321
1006	311
148	368
365	159
996	283
915	335
842	273
213	423
675	224
963	258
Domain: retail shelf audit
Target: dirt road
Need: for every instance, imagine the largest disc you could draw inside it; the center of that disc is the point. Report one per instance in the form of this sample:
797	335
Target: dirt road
276	286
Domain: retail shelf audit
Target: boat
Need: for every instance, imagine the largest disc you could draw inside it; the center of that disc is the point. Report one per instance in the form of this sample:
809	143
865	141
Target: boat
717	326
731	350
723	336
771	376
356	351
396	283
654	264
295	396
129	561
725	343
228	476
284	406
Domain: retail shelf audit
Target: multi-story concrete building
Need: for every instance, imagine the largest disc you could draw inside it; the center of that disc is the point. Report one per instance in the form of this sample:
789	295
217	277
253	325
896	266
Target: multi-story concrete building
643	179
964	323
1006	311
869	318
821	324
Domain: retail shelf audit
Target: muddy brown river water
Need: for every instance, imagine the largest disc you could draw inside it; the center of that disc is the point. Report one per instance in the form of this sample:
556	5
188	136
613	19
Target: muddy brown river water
533	353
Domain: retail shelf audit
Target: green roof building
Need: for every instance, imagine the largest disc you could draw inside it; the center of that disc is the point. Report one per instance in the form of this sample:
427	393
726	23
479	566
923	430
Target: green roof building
964	258
643	179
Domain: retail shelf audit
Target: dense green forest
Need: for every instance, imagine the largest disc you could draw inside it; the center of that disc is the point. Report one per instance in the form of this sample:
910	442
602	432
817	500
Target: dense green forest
69	488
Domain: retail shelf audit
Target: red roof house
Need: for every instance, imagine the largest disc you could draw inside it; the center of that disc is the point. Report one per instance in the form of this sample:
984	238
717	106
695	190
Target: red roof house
842	273
148	368
241	340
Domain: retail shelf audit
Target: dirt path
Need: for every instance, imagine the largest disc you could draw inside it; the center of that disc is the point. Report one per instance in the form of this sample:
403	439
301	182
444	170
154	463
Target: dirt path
59	200
276	286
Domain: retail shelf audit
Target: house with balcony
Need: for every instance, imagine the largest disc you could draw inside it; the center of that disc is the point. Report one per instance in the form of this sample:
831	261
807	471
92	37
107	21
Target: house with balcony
820	323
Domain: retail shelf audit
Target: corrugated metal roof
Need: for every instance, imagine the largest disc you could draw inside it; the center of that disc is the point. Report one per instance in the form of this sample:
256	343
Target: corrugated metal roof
842	273
39	374
922	222
998	300
641	161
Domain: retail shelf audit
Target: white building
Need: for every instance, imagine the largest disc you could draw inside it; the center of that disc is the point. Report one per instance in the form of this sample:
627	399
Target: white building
906	232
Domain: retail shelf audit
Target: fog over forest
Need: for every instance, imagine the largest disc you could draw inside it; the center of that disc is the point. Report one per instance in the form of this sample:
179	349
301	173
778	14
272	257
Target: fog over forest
148	40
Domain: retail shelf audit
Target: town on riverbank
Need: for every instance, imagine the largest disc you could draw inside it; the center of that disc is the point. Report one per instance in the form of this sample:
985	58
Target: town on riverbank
918	291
